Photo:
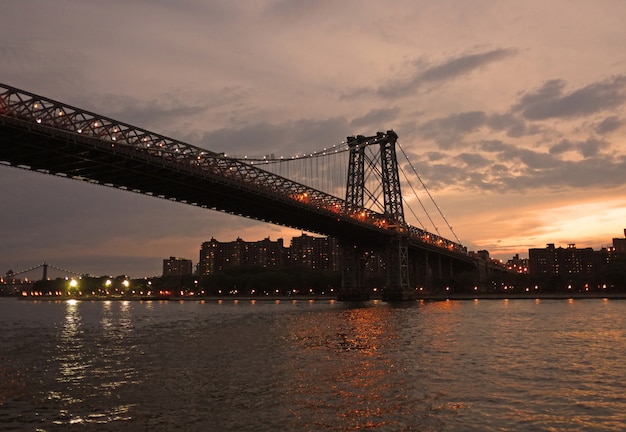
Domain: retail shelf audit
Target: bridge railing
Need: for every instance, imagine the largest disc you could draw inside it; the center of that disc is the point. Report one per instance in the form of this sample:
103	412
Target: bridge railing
29	107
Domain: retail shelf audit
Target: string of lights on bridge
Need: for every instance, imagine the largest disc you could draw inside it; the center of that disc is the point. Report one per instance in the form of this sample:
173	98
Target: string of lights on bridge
343	148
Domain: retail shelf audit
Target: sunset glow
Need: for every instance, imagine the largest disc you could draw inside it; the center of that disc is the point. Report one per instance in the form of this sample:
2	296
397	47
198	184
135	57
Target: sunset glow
515	124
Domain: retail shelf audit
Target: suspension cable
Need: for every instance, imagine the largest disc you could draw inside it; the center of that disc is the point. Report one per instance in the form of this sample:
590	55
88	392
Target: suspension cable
313	171
429	195
42	265
418	200
337	148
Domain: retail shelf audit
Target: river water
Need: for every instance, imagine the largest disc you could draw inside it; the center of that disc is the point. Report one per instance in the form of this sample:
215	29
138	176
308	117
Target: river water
482	365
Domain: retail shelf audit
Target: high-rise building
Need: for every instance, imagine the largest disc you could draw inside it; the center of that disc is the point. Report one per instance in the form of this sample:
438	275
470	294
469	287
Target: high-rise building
177	267
216	256
563	261
619	245
517	264
268	254
318	253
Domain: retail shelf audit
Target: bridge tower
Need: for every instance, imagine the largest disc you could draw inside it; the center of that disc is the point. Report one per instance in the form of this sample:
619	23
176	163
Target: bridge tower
383	167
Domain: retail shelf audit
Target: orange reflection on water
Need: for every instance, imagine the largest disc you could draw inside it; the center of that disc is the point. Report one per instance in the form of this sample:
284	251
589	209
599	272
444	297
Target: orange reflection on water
353	373
72	364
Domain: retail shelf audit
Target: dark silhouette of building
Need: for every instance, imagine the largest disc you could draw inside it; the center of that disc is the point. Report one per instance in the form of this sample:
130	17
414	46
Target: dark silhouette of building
216	256
517	264
177	267
317	253
564	261
619	245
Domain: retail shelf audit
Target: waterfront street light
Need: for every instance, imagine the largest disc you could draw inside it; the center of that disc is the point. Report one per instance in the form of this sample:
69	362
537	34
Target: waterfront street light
73	285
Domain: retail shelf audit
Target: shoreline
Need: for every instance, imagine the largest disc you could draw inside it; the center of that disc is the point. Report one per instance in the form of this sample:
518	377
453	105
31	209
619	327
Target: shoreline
421	297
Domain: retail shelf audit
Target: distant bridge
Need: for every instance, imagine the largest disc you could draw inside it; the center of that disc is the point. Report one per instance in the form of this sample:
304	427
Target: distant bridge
14	282
49	137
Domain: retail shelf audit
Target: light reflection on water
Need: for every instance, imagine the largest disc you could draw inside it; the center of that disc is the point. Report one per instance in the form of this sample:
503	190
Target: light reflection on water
285	365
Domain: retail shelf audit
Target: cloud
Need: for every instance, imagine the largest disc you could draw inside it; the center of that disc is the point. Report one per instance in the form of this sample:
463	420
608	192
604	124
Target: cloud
435	156
446	71
609	124
31	64
501	167
284	139
302	9
562	147
169	108
551	101
448	131
376	118
473	160
589	148
513	125
592	147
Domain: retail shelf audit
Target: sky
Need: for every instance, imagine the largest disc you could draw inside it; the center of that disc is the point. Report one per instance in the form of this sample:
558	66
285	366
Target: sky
513	113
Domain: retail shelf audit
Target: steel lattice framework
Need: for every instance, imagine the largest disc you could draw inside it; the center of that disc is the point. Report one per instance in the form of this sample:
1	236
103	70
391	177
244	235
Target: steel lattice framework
385	165
51	137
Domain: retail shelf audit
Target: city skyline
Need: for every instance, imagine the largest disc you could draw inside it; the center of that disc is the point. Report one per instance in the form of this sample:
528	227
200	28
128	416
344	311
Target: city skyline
513	115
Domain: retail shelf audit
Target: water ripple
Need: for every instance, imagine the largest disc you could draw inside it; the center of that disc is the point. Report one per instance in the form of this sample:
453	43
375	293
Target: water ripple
291	366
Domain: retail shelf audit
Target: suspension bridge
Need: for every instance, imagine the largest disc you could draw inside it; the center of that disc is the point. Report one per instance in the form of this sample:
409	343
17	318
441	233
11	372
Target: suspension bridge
14	282
360	203
43	268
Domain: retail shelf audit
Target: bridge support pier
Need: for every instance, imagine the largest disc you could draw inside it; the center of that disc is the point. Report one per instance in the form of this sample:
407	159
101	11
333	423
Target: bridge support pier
352	274
398	286
421	274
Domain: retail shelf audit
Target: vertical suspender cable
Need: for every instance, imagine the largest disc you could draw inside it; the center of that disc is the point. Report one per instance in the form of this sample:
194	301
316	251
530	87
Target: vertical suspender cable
429	195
